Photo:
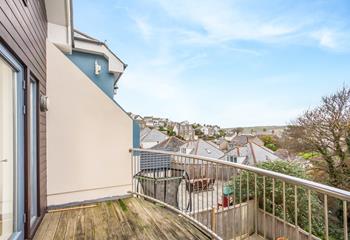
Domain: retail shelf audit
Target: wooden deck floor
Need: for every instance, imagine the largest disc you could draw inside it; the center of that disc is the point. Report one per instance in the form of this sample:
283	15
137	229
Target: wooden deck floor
130	218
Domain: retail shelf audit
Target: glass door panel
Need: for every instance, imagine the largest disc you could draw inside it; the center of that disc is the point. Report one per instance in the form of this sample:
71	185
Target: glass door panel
7	149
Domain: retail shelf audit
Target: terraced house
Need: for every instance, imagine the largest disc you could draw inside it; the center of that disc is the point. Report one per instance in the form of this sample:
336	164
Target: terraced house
71	166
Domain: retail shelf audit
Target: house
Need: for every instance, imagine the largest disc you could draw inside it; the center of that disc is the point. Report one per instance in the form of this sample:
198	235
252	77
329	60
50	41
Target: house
201	148
229	136
250	154
243	139
99	131
184	130
59	159
25	26
208	130
148	121
222	143
138	119
151	137
171	144
54	154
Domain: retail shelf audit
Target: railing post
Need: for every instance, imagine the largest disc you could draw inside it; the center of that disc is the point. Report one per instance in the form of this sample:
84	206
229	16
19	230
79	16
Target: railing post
345	217
326	217
256	203
213	220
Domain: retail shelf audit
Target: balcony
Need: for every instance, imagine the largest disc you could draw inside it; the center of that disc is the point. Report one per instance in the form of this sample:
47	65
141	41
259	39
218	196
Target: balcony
178	196
131	218
234	201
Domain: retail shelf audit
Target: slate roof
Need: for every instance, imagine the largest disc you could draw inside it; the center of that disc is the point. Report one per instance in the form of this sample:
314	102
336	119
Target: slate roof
171	144
253	152
144	132
154	136
243	139
203	148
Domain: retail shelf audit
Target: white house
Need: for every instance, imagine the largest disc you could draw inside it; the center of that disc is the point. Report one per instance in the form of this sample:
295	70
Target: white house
250	154
150	138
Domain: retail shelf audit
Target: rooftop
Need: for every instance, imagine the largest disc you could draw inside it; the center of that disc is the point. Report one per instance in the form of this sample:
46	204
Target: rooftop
130	218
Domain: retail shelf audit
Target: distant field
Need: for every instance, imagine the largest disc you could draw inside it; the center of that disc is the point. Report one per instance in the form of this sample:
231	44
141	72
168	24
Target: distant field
260	129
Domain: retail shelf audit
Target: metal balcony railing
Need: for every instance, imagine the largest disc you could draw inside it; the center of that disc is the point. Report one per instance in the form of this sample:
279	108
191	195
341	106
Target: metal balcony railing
234	201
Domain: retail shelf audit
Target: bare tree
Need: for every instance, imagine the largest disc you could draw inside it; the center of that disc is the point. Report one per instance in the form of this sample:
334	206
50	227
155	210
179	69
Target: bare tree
326	130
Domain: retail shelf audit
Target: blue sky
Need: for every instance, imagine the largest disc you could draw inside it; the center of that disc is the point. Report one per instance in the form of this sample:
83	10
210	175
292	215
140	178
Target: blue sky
231	63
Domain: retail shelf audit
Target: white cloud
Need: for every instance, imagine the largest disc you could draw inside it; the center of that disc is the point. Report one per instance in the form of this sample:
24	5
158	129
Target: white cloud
218	22
223	20
144	27
338	40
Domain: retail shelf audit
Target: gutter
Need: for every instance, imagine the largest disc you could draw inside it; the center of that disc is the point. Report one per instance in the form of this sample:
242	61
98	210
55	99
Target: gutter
101	43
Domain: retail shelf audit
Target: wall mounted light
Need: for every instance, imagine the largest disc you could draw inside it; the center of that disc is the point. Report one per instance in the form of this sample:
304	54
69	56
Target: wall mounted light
97	68
44	103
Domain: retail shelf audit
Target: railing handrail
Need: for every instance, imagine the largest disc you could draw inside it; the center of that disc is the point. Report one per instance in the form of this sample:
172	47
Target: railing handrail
319	187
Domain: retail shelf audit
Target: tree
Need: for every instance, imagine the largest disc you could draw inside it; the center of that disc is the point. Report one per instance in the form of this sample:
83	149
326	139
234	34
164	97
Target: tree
270	142
292	169
170	132
326	130
222	133
238	130
198	132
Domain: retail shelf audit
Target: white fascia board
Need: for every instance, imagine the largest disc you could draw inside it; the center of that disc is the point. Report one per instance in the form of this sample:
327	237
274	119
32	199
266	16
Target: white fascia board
59	23
60	36
115	65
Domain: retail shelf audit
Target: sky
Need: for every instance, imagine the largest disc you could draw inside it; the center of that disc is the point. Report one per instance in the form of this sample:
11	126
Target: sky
225	62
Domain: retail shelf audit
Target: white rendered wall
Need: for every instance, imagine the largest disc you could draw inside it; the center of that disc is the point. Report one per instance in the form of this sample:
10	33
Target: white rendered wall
88	137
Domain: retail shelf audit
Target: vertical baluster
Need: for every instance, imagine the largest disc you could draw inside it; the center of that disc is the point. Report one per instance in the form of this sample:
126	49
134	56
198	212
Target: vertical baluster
296	212
234	204
256	203
193	186
185	176
132	170
217	195
284	209
180	174
264	205
345	219
240	206
202	190
198	207
212	197
222	201
247	221
273	210
309	213
325	206
208	186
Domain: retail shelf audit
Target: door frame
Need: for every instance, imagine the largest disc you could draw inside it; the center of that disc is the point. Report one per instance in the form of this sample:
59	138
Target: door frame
31	227
19	196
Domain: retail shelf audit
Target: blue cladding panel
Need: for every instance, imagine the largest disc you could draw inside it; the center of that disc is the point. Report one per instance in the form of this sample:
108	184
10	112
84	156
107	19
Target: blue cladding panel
136	134
86	63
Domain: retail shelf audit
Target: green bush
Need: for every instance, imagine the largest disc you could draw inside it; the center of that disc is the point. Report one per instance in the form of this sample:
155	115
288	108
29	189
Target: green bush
271	146
291	169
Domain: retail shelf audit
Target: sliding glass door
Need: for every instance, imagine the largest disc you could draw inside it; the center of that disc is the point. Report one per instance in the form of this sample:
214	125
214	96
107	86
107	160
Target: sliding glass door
11	149
7	150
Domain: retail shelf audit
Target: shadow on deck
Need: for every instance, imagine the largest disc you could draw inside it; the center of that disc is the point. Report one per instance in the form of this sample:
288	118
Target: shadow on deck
131	218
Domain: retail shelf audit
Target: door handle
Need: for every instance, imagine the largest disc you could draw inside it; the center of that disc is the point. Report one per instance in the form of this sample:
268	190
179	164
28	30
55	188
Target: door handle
4	160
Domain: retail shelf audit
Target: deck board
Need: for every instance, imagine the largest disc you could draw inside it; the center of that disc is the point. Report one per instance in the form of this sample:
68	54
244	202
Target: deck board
131	218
